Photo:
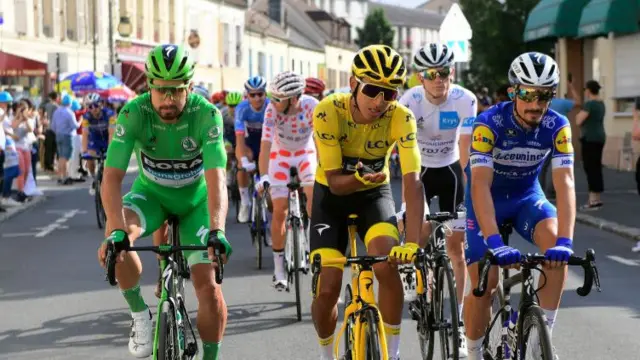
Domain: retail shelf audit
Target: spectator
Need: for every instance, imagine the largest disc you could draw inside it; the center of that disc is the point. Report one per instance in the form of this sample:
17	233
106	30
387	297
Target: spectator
23	125
64	125
592	137
484	100
75	164
10	167
49	144
51	105
502	94
563	107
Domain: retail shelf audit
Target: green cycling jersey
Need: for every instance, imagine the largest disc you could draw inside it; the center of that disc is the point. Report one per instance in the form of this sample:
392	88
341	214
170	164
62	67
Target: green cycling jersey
172	159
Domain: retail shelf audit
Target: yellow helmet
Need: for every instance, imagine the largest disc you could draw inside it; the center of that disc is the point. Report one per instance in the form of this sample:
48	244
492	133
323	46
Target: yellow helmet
381	64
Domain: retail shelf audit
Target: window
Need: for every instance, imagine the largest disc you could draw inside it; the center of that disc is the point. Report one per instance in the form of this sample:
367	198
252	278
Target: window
301	68
140	19
331	81
47	18
250	63
344	78
172	21
293	65
238	46
262	64
281	63
156	23
89	16
270	66
625	105
81	7
20	16
226	41
308	68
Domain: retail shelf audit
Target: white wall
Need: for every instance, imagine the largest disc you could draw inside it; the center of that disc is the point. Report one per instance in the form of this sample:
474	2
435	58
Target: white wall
310	60
273	49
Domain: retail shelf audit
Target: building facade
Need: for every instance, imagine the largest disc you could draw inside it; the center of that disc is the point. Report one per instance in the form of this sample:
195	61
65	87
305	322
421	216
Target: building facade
597	40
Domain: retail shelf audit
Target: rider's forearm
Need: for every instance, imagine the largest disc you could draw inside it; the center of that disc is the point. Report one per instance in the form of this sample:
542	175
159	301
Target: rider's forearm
85	140
240	148
111	131
566	202
112	199
217	201
341	185
483	208
414	192
464	146
265	151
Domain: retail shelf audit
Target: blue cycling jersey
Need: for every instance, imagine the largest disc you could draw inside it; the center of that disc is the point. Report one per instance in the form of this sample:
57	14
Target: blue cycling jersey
98	128
248	122
516	156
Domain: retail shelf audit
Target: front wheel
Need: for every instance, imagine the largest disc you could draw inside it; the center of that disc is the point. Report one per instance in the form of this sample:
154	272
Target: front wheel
448	320
168	348
372	336
534	339
259	236
348	329
100	213
296	267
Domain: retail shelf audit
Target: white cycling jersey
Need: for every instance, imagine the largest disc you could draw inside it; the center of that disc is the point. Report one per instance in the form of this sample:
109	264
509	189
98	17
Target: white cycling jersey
440	126
291	145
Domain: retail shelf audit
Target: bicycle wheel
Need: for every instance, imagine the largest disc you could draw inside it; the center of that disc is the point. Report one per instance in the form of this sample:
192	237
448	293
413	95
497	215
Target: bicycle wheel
348	329
448	332
296	265
258	233
425	309
535	329
372	341
168	348
493	336
100	217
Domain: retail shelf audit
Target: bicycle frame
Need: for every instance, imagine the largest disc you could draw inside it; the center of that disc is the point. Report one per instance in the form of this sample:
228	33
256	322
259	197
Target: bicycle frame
363	299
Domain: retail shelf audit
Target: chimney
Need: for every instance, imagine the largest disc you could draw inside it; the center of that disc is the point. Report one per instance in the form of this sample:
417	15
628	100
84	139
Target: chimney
276	11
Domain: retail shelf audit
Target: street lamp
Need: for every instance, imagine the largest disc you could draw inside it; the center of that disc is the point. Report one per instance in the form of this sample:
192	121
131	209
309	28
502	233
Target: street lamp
124	27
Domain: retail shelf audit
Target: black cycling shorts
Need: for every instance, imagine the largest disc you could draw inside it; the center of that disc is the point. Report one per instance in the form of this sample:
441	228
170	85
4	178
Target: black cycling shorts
330	214
447	183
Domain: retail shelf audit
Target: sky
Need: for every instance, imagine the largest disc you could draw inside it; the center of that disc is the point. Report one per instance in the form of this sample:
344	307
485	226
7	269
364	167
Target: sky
405	3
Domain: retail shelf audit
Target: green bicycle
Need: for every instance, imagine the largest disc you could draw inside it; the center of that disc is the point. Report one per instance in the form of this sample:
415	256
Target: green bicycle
174	337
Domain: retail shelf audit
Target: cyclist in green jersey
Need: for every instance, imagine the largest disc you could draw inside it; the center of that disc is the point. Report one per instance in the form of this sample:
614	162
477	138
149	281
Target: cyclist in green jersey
177	139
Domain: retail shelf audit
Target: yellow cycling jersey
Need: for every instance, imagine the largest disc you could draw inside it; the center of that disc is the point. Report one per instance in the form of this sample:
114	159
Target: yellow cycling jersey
341	143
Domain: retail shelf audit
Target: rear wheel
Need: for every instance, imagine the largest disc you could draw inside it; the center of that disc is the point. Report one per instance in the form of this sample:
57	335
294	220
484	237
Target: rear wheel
167	334
296	265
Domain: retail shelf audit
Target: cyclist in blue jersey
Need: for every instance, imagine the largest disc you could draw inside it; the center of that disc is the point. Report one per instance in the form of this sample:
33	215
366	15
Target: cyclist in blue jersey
97	129
248	125
510	142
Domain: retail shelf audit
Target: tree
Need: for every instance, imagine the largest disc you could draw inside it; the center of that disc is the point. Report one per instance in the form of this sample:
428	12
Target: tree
376	30
498	28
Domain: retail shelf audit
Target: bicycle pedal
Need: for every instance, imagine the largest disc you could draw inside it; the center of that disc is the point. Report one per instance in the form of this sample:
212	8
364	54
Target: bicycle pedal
413	311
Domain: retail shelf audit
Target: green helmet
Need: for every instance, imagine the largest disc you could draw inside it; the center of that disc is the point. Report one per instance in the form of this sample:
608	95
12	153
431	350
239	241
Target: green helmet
169	62
233	98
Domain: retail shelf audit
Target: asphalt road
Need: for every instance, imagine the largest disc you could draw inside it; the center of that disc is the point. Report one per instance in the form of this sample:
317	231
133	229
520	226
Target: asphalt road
55	304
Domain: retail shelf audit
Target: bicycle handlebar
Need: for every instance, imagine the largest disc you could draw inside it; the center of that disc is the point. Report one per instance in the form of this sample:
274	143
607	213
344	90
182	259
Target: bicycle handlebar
87	156
218	250
318	263
530	261
444	216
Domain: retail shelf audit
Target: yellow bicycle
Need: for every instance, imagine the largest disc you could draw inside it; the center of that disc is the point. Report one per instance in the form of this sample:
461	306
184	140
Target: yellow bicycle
363	329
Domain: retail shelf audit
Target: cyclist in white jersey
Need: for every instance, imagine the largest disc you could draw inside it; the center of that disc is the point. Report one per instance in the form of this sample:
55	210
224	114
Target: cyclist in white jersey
286	141
445	114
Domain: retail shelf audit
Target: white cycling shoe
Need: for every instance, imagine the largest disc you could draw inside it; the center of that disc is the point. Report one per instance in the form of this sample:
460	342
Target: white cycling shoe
463	352
243	213
141	336
408	277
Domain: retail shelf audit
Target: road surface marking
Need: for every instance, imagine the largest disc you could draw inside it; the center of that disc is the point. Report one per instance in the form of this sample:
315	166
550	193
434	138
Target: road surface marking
46	230
624	261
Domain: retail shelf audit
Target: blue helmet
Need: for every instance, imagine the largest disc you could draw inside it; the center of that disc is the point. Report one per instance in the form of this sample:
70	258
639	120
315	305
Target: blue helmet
256	83
5	97
201	90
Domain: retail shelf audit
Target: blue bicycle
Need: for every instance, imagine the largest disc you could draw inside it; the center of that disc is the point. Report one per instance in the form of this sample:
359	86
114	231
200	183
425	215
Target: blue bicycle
259	224
101	215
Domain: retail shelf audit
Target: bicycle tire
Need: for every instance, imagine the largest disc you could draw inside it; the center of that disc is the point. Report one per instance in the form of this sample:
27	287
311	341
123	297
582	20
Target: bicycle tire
348	329
534	316
445	277
258	238
97	198
493	336
371	336
296	266
167	334
183	267
426	332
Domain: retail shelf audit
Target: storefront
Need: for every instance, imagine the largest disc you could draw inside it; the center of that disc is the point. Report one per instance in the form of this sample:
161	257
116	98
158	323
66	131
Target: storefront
130	58
21	76
599	40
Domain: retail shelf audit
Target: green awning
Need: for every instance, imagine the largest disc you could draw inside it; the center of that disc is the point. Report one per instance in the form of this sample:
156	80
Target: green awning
601	17
554	19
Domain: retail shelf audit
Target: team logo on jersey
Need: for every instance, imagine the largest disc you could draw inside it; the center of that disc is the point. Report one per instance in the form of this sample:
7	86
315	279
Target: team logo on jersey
483	139
563	141
119	130
408	141
322	116
468	122
417	97
188	144
511	133
449	120
214	132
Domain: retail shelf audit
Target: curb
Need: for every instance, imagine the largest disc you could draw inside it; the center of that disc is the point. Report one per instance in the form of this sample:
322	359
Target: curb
628	232
9	214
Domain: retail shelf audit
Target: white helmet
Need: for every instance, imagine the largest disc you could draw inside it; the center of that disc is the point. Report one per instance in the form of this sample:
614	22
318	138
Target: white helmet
91	98
287	84
433	55
534	69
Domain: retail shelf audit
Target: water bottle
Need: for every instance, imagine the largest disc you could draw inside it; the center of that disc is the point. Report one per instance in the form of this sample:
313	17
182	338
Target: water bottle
180	331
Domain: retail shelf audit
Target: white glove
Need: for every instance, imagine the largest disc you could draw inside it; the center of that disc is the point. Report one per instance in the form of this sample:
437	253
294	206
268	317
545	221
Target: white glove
246	164
264	179
400	214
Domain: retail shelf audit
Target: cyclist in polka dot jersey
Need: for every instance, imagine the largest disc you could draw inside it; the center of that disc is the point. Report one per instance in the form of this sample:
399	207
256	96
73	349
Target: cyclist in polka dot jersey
286	141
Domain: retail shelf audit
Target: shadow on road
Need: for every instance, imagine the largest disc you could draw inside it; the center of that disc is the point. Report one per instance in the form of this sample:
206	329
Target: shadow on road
99	328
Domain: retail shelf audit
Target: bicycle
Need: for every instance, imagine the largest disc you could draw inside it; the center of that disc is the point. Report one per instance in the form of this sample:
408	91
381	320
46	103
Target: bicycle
171	341
101	215
433	274
259	224
362	328
233	189
511	335
296	250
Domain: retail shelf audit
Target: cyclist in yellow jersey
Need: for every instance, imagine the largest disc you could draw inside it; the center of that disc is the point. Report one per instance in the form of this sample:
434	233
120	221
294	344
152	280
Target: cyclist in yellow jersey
354	134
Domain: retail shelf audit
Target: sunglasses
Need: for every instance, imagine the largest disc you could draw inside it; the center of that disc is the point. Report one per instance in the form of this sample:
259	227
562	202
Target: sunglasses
256	94
431	74
372	91
528	95
170	90
94	106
